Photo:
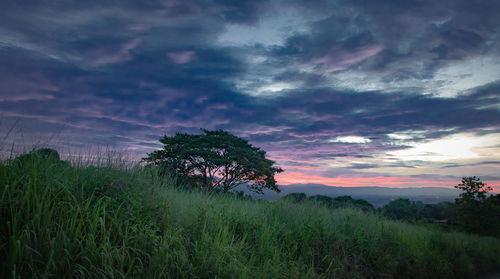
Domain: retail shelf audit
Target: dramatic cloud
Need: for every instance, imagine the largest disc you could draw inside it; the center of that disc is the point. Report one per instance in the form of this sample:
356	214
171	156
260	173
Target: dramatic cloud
346	93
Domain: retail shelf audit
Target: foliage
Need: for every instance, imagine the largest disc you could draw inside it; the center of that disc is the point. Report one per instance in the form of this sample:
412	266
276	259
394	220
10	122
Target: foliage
65	222
240	195
295	197
478	212
363	205
215	160
444	211
401	209
473	189
79	221
45	154
342	202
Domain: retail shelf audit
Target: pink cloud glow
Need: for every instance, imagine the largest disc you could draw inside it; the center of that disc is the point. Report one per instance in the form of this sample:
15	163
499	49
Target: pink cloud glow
338	59
122	55
182	57
287	178
139	27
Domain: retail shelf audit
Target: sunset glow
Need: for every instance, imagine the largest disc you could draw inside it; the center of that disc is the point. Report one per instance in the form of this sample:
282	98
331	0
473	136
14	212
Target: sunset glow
377	181
341	93
459	146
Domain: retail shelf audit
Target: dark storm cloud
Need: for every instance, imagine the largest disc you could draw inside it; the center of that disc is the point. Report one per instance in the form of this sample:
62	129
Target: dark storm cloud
126	73
471	164
326	108
401	39
309	120
111	101
326	51
307	78
93	33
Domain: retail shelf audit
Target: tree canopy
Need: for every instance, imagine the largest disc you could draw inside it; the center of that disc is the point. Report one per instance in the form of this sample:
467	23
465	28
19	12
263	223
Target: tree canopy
478	212
402	209
336	202
473	189
215	160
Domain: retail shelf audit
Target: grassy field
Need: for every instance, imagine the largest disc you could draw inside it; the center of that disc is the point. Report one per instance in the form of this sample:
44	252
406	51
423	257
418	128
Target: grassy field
113	221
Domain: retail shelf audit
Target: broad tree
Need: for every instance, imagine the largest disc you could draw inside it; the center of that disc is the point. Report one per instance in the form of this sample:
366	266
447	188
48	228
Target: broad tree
473	189
215	160
478	211
401	209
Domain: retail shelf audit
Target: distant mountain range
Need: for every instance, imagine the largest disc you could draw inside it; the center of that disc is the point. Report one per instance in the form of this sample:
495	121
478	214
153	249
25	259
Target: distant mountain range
378	196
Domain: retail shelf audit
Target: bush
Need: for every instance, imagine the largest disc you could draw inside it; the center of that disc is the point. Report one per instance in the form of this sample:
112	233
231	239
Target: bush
401	209
342	202
295	197
478	212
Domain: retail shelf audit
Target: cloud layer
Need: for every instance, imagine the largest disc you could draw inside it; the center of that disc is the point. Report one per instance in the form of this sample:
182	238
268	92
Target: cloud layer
338	92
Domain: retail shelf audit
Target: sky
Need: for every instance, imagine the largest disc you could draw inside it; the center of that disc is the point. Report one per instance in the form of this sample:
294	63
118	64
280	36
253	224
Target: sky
342	93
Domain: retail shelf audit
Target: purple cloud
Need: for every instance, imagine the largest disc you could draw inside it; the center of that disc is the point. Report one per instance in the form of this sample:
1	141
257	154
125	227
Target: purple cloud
127	73
182	57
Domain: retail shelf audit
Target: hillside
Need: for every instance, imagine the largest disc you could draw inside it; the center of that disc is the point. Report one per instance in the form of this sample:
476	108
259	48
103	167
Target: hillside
378	196
74	220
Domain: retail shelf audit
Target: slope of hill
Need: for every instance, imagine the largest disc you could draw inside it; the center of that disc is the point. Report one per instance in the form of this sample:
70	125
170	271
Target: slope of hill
378	196
102	221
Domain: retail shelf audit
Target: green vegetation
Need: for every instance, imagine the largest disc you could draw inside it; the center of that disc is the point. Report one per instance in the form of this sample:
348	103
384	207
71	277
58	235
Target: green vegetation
215	160
333	203
403	209
110	220
474	211
478	212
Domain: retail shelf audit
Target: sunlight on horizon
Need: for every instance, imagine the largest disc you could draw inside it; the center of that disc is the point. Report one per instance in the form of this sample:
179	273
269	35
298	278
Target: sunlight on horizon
351	139
458	146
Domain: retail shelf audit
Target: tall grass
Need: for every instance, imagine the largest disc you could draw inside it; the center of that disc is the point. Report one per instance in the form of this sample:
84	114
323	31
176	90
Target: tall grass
115	220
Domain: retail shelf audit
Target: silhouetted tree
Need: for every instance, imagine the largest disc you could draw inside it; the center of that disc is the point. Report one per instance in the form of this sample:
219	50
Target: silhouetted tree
216	160
401	209
364	205
478	212
439	211
472	189
343	201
